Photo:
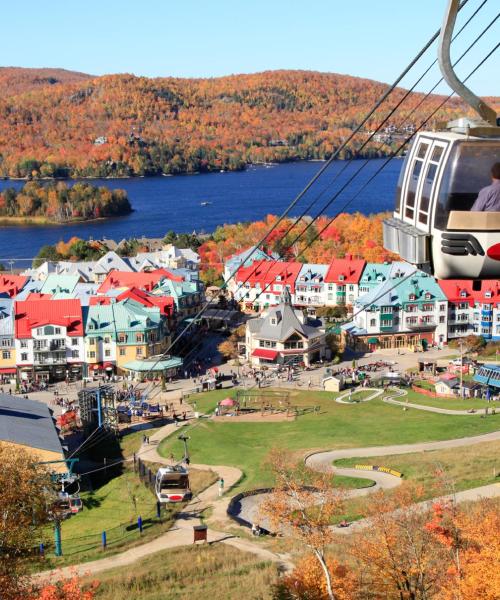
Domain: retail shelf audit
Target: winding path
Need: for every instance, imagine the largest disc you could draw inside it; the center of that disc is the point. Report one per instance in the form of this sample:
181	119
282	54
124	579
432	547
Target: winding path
323	461
181	534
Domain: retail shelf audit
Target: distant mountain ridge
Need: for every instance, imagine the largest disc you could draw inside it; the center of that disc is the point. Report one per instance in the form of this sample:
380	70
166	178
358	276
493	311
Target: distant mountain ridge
56	123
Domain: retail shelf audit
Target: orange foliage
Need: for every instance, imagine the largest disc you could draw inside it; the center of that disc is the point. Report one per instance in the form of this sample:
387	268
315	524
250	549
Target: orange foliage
55	123
307	580
69	589
355	234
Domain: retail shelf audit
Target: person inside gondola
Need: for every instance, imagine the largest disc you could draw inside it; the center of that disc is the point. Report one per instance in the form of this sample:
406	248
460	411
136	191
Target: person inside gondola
488	198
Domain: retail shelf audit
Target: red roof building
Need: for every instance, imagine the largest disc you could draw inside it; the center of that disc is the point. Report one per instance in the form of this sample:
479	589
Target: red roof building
460	291
143	280
12	284
269	275
30	314
345	270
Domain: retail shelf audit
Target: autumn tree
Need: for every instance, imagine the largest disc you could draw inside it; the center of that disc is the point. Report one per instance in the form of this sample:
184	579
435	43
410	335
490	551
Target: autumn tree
24	506
471	538
396	554
302	506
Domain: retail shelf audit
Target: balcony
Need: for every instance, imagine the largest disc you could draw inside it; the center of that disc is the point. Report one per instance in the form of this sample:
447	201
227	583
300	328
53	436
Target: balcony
54	359
421	325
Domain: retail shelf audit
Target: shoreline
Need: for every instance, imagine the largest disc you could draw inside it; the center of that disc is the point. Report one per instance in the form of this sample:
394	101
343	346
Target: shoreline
45	222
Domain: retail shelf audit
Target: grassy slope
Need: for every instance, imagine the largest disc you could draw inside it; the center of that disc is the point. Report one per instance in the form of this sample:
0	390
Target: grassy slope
218	571
467	467
452	403
246	445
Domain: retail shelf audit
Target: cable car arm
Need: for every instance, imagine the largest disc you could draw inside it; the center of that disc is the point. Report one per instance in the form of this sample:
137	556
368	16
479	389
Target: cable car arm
484	111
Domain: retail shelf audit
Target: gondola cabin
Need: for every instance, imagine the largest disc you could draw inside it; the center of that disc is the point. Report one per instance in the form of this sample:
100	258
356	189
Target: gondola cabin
172	484
433	226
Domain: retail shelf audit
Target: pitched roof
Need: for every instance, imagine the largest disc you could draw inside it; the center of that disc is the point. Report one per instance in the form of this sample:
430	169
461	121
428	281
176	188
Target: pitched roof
266	272
312	273
375	273
145	281
457	290
6	316
56	283
345	270
28	423
405	283
36	313
12	284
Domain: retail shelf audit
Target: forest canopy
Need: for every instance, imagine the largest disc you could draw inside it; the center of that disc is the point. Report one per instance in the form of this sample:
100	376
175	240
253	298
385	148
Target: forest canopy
60	124
60	203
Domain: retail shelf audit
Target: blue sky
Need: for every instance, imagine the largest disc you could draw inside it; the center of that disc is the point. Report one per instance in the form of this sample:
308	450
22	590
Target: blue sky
370	38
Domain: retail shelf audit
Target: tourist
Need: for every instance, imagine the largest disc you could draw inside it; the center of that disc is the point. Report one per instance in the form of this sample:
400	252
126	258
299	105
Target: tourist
488	198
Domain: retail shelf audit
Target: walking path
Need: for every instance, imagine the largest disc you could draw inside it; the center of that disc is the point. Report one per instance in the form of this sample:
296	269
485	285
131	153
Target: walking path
323	461
181	533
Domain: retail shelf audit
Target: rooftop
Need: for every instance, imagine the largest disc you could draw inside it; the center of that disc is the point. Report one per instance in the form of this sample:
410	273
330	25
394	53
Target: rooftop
28	423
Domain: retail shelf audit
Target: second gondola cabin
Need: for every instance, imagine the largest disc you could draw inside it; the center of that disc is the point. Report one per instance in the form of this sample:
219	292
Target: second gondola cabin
433	226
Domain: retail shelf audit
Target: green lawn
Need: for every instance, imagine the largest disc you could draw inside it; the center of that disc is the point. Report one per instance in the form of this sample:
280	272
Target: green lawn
207	401
466	467
452	403
131	442
114	508
246	445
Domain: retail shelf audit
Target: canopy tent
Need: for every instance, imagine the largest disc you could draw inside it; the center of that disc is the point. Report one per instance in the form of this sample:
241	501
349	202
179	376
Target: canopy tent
227	402
154	366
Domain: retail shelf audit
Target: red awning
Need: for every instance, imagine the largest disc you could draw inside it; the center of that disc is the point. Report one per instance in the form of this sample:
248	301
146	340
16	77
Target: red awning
96	367
108	365
9	371
262	353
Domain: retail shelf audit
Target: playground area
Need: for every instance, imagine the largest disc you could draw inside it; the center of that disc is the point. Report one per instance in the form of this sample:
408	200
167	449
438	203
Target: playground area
262	405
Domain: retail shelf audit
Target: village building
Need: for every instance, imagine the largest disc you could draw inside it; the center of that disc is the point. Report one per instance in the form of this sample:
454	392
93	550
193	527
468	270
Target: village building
8	363
342	281
310	286
261	284
49	339
244	258
408	310
372	276
284	336
473	312
11	285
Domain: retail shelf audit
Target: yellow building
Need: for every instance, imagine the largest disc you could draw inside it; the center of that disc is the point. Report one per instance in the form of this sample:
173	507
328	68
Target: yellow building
7	348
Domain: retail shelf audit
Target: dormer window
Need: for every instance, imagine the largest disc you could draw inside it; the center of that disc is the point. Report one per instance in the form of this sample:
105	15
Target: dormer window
487	294
341	277
278	278
463	294
427	296
273	321
412	297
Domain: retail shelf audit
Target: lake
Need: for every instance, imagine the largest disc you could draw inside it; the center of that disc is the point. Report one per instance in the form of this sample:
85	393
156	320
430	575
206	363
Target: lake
174	203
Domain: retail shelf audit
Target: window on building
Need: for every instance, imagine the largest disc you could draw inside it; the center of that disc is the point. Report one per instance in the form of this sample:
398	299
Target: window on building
107	340
24	356
122	351
6	343
107	353
74	341
373	322
122	337
351	288
58	331
138	351
139	337
75	354
91	354
24	343
441	319
5	354
92	341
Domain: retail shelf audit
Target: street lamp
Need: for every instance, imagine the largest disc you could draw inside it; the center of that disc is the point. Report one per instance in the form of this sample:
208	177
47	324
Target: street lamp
185	438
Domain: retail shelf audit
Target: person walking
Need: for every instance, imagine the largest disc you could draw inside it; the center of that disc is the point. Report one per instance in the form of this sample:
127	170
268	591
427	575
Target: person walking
221	486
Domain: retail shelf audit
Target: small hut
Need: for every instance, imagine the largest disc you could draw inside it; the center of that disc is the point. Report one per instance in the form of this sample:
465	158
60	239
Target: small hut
227	406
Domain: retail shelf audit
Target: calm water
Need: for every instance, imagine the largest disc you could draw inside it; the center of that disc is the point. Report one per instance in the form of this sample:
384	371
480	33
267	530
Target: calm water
165	203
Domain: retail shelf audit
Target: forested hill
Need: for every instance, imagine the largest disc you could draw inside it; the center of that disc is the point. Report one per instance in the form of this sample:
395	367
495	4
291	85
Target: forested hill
59	123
